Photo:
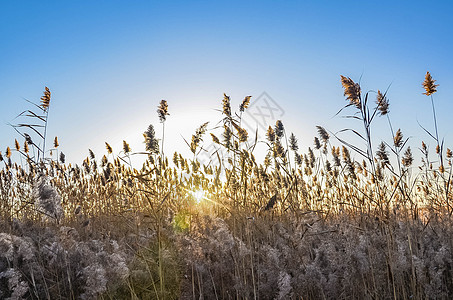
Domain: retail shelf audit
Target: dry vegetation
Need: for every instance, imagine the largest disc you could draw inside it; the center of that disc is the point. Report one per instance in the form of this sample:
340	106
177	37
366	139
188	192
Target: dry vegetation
339	222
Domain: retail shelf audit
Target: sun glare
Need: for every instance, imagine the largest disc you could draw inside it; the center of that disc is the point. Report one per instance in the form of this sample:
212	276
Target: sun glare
199	195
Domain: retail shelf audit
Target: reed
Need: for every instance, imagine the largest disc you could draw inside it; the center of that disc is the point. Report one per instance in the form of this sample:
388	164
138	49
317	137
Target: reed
337	221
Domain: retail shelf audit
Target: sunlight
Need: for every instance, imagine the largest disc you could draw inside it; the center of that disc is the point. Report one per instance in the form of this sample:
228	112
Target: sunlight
199	195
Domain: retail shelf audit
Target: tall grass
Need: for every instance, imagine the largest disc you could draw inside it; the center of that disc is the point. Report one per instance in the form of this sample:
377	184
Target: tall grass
338	222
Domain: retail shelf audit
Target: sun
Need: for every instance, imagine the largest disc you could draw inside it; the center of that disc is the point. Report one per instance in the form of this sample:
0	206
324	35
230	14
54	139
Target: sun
198	195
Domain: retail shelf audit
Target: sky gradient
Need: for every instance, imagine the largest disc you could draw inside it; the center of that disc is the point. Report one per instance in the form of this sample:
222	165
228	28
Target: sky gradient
109	63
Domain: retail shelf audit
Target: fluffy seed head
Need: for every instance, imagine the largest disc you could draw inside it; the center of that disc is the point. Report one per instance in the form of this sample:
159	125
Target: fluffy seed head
126	147
16	145
162	110
245	103
109	148
317	143
62	158
279	129
45	99
398	139
270	134
382	154
382	103
351	91
215	139
151	142
26	148
407	158
92	156
226	105
429	85
293	142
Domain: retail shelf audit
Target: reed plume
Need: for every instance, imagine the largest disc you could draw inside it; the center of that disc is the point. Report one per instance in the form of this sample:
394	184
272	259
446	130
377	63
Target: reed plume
429	85
245	103
270	134
26	148
293	143
16	145
398	139
322	132
215	139
126	147
198	137
351	91
91	153
162	111
151	142
62	158
382	104
382	154
279	129
45	99
109	148
226	105
242	133
407	158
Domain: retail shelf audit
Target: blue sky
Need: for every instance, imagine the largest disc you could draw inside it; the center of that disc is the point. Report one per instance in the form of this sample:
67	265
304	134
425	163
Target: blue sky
109	63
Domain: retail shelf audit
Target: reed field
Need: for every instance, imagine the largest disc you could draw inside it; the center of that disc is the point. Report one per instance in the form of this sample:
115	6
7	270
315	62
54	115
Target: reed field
340	220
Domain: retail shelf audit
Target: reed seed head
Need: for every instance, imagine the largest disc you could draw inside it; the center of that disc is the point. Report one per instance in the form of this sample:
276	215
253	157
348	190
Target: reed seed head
126	147
293	143
270	134
62	158
317	143
16	145
279	129
198	137
351	91
92	156
429	85
242	133
323	134
382	103
215	139
8	152
55	142
226	105
382	154
45	99
109	148
245	103
398	139
151	142
162	111
28	139
104	161
407	158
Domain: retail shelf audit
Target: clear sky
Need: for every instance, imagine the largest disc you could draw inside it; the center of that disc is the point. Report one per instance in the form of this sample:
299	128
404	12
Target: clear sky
109	63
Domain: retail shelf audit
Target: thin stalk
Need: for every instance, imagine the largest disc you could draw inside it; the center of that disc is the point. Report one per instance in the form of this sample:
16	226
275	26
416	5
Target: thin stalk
45	132
163	138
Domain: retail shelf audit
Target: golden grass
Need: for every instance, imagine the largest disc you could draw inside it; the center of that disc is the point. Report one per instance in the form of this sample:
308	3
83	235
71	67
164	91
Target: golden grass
289	205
